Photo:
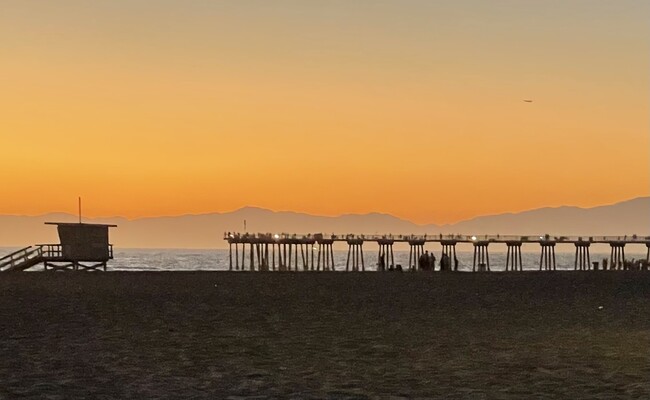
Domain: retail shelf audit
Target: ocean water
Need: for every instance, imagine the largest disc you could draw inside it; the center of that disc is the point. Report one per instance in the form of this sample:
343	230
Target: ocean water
218	260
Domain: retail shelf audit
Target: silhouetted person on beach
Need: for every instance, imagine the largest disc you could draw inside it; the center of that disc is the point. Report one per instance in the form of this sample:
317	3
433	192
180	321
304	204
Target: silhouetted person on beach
604	264
382	264
432	262
444	263
422	261
455	263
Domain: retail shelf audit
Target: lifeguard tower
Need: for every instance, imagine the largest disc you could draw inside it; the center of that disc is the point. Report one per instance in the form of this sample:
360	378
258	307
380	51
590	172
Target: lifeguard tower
82	247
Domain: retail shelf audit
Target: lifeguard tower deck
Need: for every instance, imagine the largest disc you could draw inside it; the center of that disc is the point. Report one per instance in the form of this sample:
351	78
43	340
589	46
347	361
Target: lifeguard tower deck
82	247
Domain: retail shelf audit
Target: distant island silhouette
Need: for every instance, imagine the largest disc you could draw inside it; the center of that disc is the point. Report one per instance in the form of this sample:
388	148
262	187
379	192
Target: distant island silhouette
206	230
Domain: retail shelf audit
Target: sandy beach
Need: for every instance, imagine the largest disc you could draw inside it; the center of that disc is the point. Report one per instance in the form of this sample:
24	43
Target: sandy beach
325	335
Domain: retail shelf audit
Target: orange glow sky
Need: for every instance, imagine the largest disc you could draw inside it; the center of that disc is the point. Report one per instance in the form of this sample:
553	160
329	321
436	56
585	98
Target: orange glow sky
413	108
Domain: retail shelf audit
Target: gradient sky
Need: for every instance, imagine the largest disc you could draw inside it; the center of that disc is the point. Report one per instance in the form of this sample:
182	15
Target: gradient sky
413	108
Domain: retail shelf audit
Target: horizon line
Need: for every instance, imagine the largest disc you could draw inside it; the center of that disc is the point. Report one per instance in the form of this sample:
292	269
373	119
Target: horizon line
320	215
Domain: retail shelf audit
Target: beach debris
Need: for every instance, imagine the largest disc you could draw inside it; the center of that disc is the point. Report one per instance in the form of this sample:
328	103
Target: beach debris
600	307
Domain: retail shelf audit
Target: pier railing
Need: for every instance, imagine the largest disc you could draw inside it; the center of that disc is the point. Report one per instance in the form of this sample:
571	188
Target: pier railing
237	237
53	252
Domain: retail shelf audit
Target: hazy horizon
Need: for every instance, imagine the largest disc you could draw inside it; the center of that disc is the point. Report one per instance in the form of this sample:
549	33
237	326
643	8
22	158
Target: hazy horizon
206	230
95	217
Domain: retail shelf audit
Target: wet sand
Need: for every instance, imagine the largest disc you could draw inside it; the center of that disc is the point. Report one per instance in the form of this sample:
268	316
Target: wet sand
325	335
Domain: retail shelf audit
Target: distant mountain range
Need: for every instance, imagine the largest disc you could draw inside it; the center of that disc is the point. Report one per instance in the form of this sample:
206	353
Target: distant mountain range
206	230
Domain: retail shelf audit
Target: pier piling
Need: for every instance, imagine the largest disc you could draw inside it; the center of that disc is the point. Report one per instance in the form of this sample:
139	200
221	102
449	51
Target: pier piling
482	256
355	249
617	256
325	249
449	249
582	258
385	257
416	250
513	256
547	258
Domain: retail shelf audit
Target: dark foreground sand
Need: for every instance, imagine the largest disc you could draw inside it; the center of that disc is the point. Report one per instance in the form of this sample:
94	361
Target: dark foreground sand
325	335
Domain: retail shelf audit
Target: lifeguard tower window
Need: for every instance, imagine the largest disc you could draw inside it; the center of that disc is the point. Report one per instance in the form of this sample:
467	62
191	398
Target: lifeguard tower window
84	242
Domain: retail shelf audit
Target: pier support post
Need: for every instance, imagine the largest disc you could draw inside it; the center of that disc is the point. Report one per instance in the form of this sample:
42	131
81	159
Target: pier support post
229	255
582	259
236	256
312	245
252	257
647	257
481	255
416	250
262	250
289	258
266	257
617	256
326	253
547	258
282	256
273	255
355	249
242	266
385	257
295	256
449	249
513	256
302	256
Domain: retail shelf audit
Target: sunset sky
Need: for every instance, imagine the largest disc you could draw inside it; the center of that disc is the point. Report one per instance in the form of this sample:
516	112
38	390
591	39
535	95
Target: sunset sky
408	107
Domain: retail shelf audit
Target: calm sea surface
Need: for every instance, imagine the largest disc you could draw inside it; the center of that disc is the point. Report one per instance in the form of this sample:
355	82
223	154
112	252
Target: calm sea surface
217	260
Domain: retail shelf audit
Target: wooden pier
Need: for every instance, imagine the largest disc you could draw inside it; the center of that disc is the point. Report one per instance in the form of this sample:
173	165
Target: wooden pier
305	244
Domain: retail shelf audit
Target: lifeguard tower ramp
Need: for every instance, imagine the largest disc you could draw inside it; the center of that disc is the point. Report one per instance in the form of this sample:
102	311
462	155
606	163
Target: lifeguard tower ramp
82	247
